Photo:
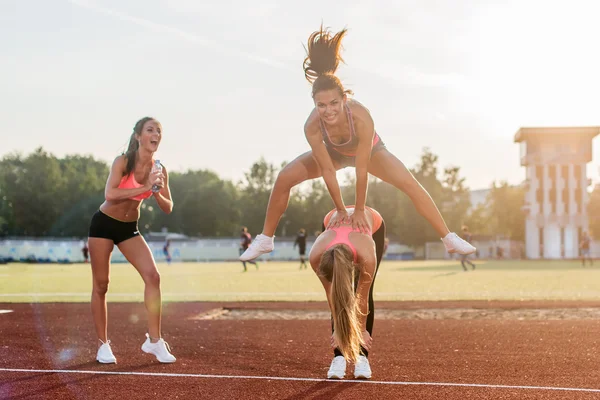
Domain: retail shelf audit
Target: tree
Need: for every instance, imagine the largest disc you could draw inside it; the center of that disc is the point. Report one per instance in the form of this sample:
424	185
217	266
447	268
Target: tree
456	200
43	195
415	230
35	188
593	210
393	205
203	205
478	220
83	192
6	215
306	209
505	204
261	177
254	194
210	210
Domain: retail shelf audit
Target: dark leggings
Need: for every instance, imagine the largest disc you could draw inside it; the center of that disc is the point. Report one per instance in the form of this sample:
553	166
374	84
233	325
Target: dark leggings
379	239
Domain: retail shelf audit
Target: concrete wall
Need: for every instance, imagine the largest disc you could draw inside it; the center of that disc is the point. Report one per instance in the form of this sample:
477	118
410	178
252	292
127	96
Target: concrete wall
226	249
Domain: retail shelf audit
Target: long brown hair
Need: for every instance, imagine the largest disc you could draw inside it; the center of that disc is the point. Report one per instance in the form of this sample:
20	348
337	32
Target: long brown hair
337	266
322	60
134	144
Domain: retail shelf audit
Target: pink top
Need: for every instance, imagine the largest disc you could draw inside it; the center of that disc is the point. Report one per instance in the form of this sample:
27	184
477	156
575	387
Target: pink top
342	236
129	182
348	148
342	233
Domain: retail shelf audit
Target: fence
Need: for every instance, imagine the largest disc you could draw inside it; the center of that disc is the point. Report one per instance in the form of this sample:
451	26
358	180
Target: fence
227	249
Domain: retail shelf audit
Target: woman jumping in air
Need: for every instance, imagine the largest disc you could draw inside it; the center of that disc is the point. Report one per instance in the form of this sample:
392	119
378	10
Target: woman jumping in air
341	133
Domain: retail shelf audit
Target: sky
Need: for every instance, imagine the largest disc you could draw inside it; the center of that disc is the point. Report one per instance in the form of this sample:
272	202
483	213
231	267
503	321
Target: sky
225	77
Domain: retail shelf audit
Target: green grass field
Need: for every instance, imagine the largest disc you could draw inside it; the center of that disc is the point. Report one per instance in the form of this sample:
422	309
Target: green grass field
282	281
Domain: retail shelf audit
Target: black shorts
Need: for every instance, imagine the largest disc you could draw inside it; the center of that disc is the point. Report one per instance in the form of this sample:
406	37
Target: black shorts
103	226
302	250
350	161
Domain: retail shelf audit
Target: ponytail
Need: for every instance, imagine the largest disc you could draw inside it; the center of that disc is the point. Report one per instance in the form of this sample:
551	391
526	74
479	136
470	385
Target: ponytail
322	60
338	267
134	144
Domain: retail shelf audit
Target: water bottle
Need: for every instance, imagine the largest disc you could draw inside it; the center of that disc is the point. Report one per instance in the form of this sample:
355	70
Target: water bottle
157	167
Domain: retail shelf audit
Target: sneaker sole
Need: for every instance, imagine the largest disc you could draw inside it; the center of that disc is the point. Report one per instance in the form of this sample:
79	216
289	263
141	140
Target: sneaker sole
106	362
157	359
160	361
253	258
166	362
334	376
362	376
248	258
464	254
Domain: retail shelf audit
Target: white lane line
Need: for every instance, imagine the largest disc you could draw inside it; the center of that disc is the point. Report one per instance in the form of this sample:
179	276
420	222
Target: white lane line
281	378
141	293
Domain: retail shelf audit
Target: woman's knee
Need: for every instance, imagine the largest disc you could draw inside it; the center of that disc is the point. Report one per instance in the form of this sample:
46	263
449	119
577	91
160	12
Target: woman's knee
152	278
101	286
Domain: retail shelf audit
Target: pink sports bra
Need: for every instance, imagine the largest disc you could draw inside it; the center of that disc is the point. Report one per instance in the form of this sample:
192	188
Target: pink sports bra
129	182
342	233
349	147
342	236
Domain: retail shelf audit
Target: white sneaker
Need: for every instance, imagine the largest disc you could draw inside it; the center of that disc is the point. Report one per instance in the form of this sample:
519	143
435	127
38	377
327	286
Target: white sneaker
260	245
105	354
455	244
362	369
337	370
160	349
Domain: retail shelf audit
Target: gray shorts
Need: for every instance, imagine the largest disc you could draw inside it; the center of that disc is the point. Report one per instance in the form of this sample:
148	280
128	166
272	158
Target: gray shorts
350	161
585	252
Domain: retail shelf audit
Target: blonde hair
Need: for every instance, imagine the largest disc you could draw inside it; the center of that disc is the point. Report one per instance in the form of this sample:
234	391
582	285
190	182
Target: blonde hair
338	267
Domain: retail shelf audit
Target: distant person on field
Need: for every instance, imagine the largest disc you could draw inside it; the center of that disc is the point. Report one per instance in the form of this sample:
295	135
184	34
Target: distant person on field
85	251
301	242
166	252
500	253
464	258
245	242
584	246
